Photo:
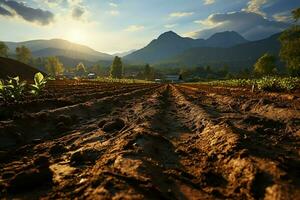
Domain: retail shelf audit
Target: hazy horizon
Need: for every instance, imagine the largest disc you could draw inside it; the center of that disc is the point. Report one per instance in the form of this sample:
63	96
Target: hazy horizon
116	26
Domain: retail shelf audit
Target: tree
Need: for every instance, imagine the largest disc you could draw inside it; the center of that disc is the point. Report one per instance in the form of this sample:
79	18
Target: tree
53	66
97	69
116	70
81	70
290	42
265	65
23	54
296	14
3	50
148	72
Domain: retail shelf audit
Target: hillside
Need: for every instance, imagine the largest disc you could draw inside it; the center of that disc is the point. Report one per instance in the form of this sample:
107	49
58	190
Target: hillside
239	56
12	68
170	44
59	47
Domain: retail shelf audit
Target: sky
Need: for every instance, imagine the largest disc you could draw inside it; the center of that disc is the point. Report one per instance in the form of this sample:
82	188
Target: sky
121	25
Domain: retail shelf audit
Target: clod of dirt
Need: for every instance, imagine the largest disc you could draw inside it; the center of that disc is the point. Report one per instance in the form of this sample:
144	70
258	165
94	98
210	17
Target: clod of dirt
42	162
214	179
102	123
57	149
30	179
84	156
114	125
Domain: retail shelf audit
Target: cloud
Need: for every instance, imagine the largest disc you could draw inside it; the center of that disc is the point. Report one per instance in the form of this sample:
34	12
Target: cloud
113	5
251	25
134	28
170	25
208	2
5	12
283	16
14	8
78	12
255	6
181	14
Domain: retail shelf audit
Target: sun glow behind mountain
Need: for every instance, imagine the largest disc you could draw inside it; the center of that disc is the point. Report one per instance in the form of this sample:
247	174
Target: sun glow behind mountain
77	36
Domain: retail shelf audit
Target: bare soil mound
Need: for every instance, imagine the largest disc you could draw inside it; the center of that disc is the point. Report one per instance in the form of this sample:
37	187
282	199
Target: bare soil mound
12	68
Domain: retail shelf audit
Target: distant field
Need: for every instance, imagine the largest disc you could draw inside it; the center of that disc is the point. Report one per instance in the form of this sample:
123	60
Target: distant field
155	141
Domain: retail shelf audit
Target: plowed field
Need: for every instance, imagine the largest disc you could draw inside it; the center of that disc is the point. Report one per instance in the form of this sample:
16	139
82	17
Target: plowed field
90	140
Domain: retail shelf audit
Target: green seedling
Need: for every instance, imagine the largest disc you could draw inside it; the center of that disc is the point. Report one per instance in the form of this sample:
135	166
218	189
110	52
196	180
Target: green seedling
39	84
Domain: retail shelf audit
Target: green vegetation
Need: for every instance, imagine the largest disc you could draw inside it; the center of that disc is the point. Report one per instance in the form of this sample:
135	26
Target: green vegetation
39	84
267	83
23	54
296	14
3	50
54	67
116	70
81	70
14	89
265	65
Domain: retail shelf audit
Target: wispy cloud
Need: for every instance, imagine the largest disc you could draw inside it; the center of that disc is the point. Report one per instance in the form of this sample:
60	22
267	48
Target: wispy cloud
181	14
170	25
208	2
134	28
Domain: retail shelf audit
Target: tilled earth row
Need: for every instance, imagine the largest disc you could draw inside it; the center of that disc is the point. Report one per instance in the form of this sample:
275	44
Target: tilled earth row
159	142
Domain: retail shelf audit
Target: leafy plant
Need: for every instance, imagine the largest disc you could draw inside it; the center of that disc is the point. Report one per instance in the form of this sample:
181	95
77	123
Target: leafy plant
39	83
4	94
14	89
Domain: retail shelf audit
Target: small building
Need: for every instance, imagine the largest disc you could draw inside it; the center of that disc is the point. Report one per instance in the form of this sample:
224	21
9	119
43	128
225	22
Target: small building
91	76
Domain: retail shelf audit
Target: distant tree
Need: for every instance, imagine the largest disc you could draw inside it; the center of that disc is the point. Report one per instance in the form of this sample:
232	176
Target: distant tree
23	54
116	70
290	43
80	69
97	69
53	66
148	72
265	65
208	69
3	50
296	14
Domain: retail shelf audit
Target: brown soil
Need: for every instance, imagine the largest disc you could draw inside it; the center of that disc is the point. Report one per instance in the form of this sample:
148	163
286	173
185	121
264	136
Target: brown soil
89	140
12	68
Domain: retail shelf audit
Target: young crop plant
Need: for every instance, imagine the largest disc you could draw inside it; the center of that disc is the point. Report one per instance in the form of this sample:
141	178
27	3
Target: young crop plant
16	88
4	94
39	84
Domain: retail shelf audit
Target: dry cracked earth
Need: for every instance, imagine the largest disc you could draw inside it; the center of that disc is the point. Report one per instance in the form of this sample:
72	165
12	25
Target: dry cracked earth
150	141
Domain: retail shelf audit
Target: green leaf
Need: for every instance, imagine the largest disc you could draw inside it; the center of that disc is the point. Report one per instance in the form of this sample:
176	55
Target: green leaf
38	78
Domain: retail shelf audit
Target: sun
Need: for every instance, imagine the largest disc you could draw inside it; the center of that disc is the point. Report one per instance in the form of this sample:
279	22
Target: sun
77	36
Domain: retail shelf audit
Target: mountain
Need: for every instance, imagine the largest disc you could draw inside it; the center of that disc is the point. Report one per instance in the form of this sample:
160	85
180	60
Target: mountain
170	44
59	47
225	39
237	57
12	68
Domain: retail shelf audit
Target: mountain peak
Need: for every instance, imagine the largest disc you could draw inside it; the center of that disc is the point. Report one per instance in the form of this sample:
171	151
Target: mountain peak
169	34
227	35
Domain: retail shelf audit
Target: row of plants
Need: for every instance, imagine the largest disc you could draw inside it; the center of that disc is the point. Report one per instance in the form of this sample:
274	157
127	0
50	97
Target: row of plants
15	89
267	83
